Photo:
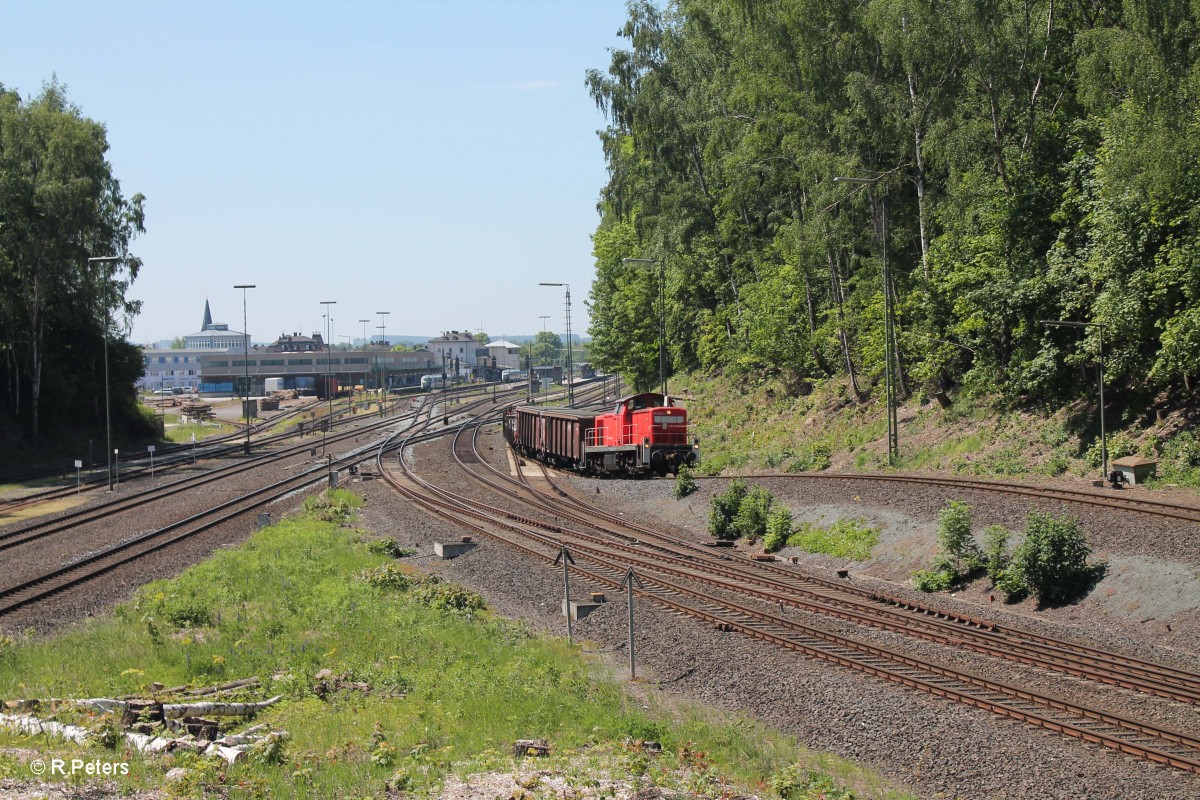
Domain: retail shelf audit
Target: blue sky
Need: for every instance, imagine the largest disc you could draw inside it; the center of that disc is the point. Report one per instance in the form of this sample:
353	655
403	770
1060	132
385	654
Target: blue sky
434	160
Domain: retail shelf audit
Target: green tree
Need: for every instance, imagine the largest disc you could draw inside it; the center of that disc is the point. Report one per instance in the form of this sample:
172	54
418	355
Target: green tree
60	204
547	348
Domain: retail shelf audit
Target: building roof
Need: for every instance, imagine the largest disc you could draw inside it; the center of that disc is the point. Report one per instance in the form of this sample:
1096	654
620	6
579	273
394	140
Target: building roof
502	343
453	336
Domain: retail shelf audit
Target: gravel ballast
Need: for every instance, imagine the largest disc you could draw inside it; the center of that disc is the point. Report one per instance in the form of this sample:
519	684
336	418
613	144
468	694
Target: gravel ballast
932	747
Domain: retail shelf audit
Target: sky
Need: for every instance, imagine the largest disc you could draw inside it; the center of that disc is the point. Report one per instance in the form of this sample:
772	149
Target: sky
433	160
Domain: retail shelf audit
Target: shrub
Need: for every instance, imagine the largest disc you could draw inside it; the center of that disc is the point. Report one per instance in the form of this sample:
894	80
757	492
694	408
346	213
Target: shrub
954	535
390	547
795	782
779	528
995	550
931	580
751	518
685	484
388	576
724	508
1053	557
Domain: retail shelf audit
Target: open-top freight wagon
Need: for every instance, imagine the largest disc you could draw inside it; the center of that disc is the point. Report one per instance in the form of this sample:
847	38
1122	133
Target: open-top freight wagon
644	433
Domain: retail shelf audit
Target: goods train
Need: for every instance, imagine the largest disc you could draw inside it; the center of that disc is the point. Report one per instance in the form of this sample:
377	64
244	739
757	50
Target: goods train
644	434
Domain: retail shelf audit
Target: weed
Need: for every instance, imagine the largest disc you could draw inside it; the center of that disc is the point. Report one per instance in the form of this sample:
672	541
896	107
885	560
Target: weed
390	547
685	484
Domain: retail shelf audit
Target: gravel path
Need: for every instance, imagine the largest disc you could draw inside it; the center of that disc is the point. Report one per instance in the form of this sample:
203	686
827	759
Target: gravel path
931	747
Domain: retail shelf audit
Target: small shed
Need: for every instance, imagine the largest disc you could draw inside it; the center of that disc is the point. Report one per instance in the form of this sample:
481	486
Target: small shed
1136	469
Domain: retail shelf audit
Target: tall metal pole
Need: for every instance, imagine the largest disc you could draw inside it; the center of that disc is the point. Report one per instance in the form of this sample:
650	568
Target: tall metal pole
662	333
570	362
564	555
246	361
543	318
570	354
890	361
1058	323
889	335
328	376
383	346
107	403
630	579
1103	436
662	313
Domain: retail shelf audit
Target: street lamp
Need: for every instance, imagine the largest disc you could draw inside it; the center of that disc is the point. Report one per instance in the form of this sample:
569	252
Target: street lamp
328	375
570	361
246	361
662	313
891	376
383	344
1058	323
107	405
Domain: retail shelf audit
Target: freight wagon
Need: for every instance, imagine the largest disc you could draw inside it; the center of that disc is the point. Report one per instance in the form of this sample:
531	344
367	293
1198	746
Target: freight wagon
644	433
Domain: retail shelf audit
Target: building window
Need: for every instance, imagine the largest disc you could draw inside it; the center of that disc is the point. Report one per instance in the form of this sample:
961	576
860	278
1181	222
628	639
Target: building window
296	362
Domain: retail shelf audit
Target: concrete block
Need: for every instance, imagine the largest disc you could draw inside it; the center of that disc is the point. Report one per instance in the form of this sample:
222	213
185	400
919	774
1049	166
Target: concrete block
579	610
452	549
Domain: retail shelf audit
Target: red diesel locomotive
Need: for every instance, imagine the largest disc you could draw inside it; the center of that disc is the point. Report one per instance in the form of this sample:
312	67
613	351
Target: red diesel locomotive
645	433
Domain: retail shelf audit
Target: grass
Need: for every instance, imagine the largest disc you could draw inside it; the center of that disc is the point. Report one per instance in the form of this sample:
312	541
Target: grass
183	433
451	686
748	424
846	538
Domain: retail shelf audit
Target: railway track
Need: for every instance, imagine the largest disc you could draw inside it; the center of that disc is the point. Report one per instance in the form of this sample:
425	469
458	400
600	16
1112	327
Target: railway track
704	584
1110	501
48	584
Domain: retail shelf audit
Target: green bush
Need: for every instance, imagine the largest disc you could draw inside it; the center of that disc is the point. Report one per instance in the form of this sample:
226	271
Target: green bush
779	528
390	547
796	782
685	484
954	535
724	509
995	550
1053	557
932	580
751	518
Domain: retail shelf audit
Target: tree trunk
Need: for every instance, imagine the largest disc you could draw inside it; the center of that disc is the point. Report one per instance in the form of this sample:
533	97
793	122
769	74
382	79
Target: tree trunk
835	285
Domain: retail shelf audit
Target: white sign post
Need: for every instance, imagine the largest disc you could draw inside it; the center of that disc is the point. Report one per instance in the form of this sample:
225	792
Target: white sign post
78	466
193	448
150	449
116	468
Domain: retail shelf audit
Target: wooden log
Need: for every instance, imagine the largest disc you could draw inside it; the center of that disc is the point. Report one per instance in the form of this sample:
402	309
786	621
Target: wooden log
180	710
224	687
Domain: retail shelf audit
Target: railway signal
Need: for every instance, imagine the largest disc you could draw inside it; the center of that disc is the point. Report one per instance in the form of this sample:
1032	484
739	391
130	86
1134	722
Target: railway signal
627	583
564	556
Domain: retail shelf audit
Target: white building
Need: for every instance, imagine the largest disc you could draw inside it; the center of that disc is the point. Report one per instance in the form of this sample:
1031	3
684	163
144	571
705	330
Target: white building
507	354
213	335
456	347
169	369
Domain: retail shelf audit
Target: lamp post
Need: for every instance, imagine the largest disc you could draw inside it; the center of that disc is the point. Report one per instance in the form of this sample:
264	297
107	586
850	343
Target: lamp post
1099	326
246	361
107	404
328	376
662	313
383	344
570	362
889	342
